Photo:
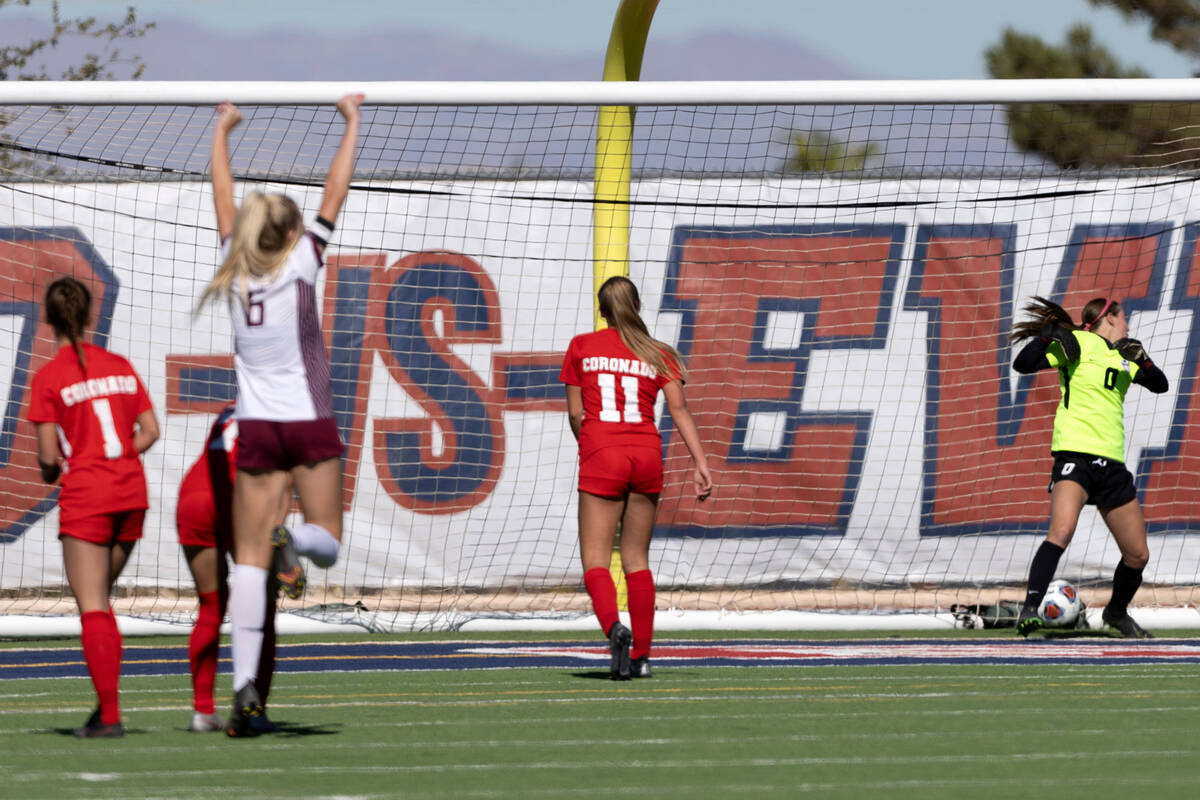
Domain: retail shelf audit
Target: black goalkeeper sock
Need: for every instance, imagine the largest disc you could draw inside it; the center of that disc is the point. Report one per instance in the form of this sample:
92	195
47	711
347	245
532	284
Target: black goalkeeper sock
1041	572
1126	581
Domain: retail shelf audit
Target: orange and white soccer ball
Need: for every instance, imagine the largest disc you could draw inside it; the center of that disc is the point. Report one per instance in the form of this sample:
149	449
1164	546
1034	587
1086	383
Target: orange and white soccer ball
1061	605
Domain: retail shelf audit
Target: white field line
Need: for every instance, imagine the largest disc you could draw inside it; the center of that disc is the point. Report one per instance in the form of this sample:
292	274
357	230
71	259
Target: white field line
422	699
508	765
472	743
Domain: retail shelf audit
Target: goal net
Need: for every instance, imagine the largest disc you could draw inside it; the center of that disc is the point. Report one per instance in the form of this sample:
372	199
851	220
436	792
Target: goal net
840	264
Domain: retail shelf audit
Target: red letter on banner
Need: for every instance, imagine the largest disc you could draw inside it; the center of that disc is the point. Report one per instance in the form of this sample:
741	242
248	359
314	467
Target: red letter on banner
833	288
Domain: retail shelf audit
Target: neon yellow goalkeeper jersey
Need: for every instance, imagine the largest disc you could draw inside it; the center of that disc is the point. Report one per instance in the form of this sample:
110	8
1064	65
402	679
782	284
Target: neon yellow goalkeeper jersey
1090	417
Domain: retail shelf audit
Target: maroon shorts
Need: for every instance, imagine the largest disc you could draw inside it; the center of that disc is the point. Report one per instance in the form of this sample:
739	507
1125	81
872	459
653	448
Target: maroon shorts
617	471
266	446
120	526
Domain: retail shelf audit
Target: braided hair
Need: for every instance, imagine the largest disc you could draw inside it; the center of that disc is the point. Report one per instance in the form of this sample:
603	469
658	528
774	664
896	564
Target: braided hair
69	310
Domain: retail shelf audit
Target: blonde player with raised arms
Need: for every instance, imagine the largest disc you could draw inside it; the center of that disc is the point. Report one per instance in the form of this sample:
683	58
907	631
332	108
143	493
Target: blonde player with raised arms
286	427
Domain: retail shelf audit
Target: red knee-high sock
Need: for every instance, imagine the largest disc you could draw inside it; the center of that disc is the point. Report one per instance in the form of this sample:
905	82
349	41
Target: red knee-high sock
102	651
203	651
603	591
641	611
117	633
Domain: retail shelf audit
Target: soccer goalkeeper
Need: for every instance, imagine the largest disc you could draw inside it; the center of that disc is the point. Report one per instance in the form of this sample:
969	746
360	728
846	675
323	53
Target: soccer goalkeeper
1096	363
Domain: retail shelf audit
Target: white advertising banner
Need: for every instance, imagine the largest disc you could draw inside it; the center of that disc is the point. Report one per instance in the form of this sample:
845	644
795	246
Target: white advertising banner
846	342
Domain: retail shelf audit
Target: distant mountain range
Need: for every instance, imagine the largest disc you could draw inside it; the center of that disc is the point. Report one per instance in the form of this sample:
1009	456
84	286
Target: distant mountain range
962	138
177	50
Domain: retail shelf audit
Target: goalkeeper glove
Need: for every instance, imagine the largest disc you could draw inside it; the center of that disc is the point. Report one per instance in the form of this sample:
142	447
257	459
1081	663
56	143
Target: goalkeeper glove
1053	332
1132	350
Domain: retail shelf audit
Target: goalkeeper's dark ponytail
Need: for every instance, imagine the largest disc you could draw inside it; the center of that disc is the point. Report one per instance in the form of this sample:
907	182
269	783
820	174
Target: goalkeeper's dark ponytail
1042	311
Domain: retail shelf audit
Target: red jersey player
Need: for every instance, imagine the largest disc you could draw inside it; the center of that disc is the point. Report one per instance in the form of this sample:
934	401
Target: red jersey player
204	521
94	419
613	377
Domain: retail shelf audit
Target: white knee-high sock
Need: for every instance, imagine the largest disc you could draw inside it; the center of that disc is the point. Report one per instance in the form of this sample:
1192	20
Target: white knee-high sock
247	613
315	543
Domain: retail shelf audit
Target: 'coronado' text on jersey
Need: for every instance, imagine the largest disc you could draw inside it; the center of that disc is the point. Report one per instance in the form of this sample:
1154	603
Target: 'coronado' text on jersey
99	387
625	366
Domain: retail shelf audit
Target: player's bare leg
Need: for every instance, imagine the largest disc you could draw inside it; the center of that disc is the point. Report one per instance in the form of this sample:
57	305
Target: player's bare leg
91	570
1067	499
598	519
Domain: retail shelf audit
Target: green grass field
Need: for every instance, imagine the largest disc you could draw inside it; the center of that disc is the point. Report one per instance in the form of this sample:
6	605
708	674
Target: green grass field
988	731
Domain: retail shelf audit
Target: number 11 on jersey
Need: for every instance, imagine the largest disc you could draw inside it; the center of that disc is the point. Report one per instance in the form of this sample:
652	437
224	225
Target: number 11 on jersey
608	398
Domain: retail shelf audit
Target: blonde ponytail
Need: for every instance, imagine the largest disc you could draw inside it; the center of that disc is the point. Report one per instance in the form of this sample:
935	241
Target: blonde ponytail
265	230
621	307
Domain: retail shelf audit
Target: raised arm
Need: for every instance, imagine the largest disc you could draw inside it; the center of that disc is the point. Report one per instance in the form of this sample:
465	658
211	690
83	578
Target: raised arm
682	417
1148	374
1032	357
228	117
337	180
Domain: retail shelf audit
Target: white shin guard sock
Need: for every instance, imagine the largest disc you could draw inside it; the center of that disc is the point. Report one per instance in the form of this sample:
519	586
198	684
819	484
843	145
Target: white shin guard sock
247	613
315	543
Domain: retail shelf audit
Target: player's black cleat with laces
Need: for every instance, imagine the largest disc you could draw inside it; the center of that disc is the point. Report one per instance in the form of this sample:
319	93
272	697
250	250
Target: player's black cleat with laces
263	724
640	667
246	706
619	640
1028	622
95	729
1126	626
285	563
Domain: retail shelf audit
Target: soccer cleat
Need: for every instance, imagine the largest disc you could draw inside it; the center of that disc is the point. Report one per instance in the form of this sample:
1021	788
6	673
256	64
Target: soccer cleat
206	723
1125	625
263	724
95	729
246	706
1028	622
640	667
619	639
285	563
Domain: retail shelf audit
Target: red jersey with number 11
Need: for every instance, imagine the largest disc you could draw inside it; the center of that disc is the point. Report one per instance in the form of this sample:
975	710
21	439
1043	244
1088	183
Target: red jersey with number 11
95	414
618	390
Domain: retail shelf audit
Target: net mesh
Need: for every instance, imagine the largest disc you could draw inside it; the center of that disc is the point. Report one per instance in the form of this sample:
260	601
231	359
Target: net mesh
841	279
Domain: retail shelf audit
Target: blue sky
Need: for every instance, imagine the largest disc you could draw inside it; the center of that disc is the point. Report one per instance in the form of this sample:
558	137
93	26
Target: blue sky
875	38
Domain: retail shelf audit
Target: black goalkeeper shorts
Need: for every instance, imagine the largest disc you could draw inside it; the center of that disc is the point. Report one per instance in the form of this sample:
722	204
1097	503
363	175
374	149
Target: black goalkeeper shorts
1107	483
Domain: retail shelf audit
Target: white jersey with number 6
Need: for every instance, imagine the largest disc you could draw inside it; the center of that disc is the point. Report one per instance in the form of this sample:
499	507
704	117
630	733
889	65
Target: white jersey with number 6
282	365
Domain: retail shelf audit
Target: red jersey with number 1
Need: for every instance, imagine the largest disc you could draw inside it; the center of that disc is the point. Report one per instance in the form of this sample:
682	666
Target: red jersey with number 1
95	414
619	391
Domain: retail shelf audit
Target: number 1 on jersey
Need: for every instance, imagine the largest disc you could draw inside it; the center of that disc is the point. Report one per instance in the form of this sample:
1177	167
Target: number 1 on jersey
113	448
608	398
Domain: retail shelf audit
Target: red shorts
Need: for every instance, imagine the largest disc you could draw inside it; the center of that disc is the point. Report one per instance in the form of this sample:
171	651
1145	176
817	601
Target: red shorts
119	526
617	471
197	523
267	446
